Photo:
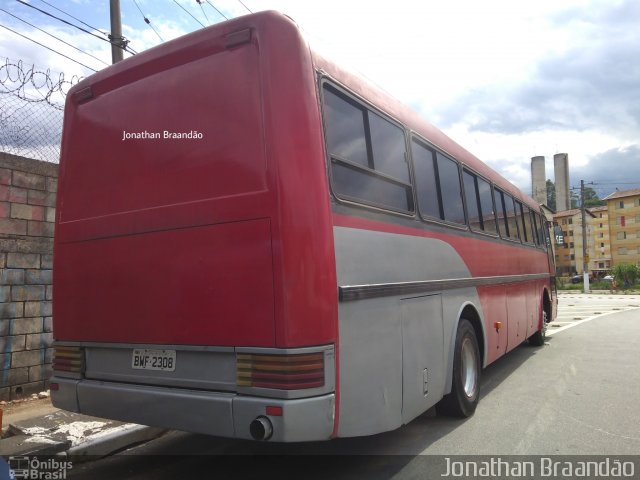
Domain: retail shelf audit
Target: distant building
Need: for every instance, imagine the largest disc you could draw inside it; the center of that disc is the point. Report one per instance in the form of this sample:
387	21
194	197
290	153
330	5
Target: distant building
600	253
569	254
624	226
613	235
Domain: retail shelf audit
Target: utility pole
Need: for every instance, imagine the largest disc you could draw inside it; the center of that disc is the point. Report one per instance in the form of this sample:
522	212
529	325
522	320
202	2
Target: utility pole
117	40
585	255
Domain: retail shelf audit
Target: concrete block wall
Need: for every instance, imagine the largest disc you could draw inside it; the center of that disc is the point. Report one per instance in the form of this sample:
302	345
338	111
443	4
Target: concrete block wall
27	213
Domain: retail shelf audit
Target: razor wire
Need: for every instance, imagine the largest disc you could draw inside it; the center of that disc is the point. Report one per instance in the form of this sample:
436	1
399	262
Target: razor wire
31	110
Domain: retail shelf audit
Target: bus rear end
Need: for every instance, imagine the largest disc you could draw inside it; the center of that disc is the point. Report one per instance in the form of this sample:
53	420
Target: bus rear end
191	290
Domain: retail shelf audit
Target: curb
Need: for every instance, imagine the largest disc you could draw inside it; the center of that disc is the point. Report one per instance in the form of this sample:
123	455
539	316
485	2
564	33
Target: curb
108	442
62	433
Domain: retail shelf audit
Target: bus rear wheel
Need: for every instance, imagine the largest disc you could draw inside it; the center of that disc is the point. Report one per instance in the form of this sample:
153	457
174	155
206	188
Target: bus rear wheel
465	388
538	338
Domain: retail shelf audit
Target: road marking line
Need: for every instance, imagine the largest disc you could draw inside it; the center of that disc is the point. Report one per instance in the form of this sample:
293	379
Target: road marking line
580	322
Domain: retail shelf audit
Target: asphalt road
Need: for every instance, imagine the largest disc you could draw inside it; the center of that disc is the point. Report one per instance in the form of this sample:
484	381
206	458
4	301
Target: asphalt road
576	395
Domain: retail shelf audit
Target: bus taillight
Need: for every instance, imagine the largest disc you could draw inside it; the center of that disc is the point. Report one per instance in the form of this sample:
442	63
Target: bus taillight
284	372
68	360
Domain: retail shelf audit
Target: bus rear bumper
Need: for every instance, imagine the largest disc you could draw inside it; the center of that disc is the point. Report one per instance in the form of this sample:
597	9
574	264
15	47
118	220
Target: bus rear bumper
213	413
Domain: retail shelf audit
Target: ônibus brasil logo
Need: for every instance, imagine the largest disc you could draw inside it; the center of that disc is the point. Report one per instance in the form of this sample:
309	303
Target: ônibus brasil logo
35	468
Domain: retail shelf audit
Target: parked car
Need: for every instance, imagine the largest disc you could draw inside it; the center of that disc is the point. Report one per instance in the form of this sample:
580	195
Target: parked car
576	279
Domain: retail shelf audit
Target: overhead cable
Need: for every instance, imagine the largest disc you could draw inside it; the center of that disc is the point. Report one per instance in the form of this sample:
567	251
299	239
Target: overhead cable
128	49
203	12
189	13
214	7
53	36
147	21
48	48
106	34
240	1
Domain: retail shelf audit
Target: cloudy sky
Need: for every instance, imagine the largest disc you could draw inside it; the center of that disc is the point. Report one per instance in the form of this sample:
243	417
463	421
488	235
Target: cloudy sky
507	80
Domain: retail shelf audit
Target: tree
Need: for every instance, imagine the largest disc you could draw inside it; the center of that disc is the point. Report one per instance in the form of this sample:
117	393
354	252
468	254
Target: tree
591	198
625	274
574	199
551	195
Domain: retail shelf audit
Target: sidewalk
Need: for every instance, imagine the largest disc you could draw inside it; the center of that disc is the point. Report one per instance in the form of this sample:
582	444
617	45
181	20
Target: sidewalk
35	427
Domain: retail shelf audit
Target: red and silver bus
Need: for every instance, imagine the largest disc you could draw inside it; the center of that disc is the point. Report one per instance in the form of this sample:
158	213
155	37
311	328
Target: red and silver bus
253	242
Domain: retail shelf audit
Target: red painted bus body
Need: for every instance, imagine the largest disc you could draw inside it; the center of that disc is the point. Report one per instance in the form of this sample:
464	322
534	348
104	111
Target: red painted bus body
198	226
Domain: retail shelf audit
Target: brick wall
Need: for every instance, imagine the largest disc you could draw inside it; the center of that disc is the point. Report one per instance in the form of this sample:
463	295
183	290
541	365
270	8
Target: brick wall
27	212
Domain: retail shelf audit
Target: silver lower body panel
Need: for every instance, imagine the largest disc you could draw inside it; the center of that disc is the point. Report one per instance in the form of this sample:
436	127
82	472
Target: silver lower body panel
213	413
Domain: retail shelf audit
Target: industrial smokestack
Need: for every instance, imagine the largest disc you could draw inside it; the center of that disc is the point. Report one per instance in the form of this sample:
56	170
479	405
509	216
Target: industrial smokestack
561	169
538	180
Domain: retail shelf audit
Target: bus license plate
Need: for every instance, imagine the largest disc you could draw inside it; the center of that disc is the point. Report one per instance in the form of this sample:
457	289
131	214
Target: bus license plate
147	359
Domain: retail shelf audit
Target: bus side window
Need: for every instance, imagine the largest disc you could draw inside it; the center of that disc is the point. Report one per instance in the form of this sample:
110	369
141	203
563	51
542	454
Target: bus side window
526	220
345	129
512	217
525	235
501	213
450	189
544	233
486	206
426	182
471	200
368	155
479	203
387	143
534	226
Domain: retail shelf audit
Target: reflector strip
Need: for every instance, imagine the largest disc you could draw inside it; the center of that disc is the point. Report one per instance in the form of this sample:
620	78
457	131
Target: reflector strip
284	372
274	411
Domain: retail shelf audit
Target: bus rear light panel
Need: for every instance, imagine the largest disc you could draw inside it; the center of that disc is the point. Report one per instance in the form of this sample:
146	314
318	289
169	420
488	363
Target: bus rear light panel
283	372
68	360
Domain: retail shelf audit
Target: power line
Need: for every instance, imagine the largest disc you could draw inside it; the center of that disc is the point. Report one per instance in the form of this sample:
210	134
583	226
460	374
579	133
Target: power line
219	12
613	182
130	50
240	1
147	21
189	13
203	12
76	19
48	48
214	7
51	35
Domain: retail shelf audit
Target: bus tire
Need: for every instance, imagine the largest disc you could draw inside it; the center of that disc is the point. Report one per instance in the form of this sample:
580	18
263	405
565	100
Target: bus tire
465	388
538	338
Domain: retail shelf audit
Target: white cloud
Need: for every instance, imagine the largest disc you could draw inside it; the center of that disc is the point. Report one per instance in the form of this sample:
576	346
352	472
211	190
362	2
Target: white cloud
507	80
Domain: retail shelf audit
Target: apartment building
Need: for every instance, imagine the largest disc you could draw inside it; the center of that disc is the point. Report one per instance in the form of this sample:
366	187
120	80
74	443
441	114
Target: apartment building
624	226
569	254
600	253
613	235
